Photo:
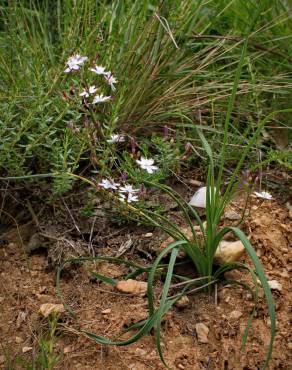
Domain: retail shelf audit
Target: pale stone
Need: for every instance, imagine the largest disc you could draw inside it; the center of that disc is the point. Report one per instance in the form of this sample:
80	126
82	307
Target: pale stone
148	235
232	216
183	302
47	309
275	285
26	349
199	198
202	332
106	311
235	315
18	340
132	286
228	252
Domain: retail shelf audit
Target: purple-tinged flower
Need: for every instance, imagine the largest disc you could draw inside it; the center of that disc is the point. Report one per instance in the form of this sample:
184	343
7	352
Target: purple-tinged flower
75	62
86	93
110	80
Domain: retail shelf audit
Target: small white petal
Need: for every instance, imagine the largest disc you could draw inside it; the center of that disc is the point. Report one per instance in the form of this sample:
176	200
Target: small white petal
128	189
199	198
100	99
116	138
147	164
263	195
99	70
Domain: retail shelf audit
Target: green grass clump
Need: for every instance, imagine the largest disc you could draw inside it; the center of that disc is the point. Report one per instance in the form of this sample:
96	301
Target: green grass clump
175	63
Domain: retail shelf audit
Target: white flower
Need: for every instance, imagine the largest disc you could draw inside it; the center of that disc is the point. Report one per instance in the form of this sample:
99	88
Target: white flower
99	70
147	164
75	62
128	189
263	195
199	198
111	80
108	184
100	99
91	90
122	197
116	138
131	198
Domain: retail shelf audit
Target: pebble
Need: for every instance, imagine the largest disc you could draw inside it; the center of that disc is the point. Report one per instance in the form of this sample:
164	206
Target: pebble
18	340
183	302
275	285
235	315
132	286
202	332
106	311
232	216
47	309
26	349
228	252
148	235
141	352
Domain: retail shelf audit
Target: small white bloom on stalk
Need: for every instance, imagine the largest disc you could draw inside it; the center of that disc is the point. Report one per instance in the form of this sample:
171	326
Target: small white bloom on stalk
116	138
99	70
75	62
128	189
147	164
109	184
199	199
110	80
86	93
263	195
100	99
129	198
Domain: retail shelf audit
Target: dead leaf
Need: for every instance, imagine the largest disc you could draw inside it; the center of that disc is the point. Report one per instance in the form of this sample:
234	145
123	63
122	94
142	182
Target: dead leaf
47	309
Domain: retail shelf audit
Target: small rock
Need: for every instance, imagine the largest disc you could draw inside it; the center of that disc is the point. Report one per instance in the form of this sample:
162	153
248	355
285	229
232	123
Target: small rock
140	352
228	252
199	198
232	216
26	349
289	345
181	366
106	311
132	286
275	285
148	235
18	340
67	349
183	302
47	309
202	332
235	315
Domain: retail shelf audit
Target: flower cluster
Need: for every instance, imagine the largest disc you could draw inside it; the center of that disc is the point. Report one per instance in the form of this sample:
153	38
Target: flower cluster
126	193
75	62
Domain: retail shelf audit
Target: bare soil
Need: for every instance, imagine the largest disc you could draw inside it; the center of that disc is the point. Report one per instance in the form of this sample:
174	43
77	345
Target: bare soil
28	280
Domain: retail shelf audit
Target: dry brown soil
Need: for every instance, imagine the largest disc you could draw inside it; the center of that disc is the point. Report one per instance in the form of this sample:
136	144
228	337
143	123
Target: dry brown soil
28	281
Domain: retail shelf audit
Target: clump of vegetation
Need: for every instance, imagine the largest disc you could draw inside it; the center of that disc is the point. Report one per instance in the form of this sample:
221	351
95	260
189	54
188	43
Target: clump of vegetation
124	94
